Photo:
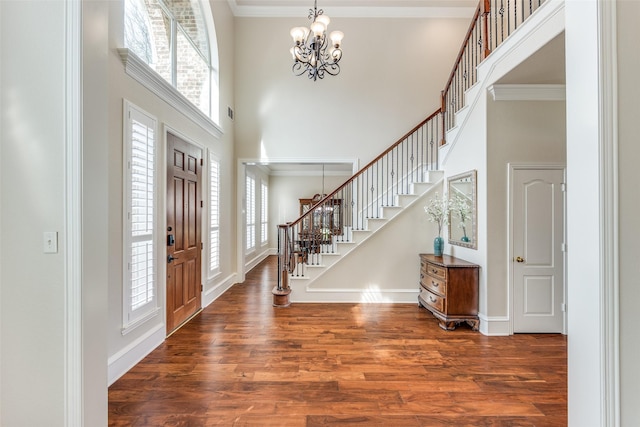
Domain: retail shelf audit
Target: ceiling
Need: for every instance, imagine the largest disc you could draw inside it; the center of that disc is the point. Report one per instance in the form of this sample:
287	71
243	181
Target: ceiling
546	66
356	8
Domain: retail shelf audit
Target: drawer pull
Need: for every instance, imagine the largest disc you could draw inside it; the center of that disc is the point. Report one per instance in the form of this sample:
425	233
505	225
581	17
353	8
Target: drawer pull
431	299
421	276
433	270
434	284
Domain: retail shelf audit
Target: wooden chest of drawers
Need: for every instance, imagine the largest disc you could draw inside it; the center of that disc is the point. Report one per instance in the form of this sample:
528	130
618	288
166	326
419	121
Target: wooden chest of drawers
449	290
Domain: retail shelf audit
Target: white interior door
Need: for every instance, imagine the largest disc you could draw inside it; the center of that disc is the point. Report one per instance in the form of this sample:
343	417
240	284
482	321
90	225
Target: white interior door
537	251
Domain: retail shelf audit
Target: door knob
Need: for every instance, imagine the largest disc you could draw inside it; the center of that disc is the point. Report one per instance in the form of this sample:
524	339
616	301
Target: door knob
169	259
519	259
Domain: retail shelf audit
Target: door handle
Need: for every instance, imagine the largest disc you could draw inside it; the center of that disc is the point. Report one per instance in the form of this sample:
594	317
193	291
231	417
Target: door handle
170	258
519	259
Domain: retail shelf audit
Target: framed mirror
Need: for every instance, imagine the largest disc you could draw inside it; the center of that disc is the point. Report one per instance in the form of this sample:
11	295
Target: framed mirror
463	210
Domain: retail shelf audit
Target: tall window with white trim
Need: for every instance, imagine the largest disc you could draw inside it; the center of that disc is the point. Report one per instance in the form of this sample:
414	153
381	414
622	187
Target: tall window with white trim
264	213
140	269
250	195
214	214
173	38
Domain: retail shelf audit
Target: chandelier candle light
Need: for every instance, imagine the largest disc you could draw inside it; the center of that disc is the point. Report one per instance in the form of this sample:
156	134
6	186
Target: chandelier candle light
310	47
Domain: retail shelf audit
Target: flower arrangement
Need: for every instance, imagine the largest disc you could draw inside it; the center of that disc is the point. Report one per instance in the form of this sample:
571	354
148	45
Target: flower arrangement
459	206
438	212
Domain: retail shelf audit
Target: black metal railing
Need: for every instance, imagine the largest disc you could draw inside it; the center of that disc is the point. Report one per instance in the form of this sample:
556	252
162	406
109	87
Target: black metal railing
492	22
464	74
505	16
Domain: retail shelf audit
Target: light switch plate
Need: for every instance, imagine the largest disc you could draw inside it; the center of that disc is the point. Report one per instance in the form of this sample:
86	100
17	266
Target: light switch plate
50	242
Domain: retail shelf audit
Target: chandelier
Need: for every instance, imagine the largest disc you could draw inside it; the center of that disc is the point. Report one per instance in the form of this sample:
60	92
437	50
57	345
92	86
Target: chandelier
310	47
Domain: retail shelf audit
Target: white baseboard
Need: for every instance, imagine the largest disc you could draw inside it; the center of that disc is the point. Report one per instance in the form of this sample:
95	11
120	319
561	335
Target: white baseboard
248	266
494	326
210	295
128	357
341	295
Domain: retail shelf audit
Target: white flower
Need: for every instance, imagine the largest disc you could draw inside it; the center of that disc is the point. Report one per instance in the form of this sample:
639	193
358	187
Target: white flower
437	211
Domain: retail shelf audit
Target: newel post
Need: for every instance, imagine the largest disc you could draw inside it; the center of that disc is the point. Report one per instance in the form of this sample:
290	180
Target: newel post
282	290
486	11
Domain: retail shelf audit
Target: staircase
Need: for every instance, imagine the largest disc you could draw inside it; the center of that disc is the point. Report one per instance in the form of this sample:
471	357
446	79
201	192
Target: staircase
310	267
397	179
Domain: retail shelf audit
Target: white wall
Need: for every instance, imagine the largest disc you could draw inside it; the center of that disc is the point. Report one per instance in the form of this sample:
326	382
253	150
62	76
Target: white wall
469	152
95	209
585	316
392	73
126	350
629	154
32	294
517	132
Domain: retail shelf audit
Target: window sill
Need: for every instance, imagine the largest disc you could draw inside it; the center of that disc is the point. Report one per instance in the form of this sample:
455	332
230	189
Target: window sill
140	320
143	74
214	274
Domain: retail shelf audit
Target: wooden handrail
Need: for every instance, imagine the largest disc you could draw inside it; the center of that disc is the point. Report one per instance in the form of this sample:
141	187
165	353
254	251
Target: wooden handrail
461	52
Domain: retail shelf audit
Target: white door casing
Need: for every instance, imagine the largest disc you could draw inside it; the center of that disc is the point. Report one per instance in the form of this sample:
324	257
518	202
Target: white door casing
537	271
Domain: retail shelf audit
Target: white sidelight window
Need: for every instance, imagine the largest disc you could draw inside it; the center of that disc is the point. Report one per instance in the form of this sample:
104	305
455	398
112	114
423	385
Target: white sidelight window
264	213
140	258
214	214
250	196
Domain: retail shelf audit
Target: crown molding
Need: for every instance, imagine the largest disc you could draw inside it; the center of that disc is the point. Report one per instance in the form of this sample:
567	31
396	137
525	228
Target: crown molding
527	92
353	11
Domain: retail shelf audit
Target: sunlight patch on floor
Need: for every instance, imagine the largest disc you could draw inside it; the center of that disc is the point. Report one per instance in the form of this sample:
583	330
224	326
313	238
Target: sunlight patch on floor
373	294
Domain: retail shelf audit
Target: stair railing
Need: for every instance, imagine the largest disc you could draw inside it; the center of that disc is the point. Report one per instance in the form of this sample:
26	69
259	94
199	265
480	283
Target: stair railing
334	217
492	22
361	198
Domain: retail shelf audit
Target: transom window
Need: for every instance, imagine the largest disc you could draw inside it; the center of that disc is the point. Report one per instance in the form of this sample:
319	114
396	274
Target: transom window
172	37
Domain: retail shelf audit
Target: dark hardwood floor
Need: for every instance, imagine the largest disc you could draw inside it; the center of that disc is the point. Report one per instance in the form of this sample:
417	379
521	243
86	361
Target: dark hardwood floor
242	362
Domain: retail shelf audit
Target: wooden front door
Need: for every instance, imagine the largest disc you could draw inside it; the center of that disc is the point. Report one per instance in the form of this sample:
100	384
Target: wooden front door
538	259
184	219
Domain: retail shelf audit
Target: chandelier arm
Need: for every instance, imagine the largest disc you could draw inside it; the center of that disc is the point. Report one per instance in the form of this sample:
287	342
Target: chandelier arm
299	68
332	69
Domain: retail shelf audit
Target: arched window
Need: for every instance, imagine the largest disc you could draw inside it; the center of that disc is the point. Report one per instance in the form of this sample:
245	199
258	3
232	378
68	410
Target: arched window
176	39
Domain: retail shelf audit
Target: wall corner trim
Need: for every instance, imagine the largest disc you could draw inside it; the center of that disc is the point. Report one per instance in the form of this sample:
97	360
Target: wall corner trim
494	326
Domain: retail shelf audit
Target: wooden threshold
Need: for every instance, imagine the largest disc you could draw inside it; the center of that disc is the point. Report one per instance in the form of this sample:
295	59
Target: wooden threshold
184	323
